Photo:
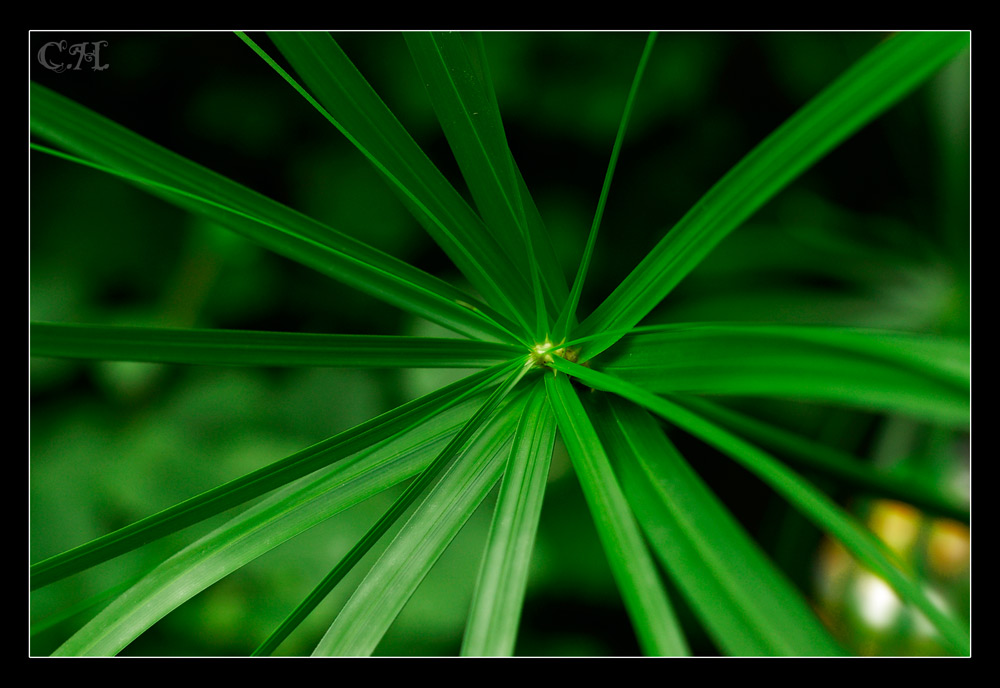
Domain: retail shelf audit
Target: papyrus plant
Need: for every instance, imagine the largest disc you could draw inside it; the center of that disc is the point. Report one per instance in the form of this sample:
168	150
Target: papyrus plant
610	385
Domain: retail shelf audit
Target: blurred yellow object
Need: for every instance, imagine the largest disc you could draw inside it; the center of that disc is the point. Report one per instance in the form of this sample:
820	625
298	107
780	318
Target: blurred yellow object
948	548
865	612
897	524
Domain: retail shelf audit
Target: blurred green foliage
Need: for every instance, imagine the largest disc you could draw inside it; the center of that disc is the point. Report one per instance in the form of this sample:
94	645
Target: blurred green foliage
876	235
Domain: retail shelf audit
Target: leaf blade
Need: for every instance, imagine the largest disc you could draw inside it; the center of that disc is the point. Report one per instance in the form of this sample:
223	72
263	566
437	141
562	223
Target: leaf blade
812	503
905	487
344	96
918	375
250	348
114	149
384	591
254	484
472	124
258	530
491	628
568	316
745	602
635	573
456	74
889	72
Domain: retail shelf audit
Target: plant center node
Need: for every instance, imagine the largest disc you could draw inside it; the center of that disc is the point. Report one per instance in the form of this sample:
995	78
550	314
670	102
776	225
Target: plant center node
541	353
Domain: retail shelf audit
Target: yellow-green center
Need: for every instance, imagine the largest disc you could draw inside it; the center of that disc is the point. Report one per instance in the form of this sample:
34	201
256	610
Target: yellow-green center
541	354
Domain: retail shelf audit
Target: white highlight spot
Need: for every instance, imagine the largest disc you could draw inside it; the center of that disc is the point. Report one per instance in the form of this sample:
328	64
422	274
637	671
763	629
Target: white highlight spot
877	602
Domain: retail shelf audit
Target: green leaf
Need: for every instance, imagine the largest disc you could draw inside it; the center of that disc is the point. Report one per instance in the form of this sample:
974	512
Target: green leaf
84	608
257	483
261	528
746	604
116	150
903	486
344	96
491	629
439	517
919	375
455	72
513	373
634	570
884	76
813	504
568	315
242	348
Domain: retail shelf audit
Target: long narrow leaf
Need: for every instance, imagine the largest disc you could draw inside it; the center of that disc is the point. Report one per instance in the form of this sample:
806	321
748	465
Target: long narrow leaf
242	348
256	483
634	570
491	629
568	315
921	375
832	462
541	251
112	148
746	604
455	72
348	101
260	529
452	71
441	514
513	373
888	73
812	503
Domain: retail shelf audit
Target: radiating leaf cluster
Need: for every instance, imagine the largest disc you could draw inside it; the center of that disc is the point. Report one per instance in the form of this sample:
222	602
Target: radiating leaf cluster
497	428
